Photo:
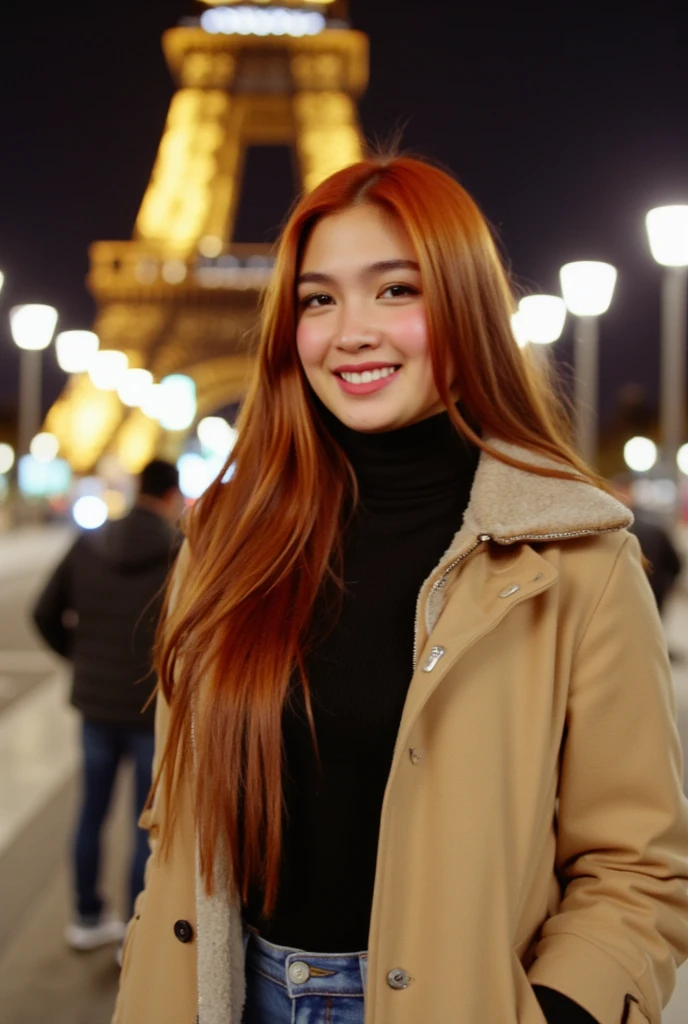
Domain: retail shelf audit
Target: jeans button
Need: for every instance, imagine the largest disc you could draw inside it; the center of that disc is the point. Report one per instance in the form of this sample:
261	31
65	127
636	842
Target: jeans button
299	972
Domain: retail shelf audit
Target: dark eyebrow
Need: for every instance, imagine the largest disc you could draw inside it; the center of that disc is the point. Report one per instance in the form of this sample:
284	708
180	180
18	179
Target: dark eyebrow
372	270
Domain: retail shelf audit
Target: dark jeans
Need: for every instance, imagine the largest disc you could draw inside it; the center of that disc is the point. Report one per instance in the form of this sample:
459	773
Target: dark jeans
104	746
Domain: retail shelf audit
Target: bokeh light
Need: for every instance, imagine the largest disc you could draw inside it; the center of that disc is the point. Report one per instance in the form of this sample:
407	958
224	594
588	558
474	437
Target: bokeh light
6	457
134	386
640	454
177	398
44	447
542	317
107	369
519	329
588	287
33	325
682	459
667	229
217	436
90	512
75	350
196	474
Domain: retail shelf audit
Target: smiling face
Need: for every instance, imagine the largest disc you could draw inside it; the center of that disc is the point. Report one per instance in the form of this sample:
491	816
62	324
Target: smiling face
362	334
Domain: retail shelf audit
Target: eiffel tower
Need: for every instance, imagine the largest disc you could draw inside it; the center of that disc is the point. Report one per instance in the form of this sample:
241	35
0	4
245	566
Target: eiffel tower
181	296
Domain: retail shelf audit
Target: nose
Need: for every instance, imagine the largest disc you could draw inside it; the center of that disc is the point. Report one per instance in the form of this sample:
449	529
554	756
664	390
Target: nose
355	337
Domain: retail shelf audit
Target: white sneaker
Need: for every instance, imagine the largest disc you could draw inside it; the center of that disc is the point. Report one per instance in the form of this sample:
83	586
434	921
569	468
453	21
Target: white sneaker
82	935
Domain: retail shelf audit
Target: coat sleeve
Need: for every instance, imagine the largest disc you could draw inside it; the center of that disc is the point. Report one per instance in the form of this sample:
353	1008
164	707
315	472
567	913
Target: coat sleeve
622	825
54	600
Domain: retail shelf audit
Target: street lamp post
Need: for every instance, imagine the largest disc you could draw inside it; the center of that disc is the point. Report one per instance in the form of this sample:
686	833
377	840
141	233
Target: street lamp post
667	228
32	329
587	287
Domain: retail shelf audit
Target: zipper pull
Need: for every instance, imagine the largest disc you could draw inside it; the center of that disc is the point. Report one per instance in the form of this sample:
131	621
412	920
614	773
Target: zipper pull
435	654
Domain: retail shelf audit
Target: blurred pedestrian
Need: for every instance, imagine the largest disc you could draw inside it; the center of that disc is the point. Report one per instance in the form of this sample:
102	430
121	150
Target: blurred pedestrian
415	709
665	564
99	610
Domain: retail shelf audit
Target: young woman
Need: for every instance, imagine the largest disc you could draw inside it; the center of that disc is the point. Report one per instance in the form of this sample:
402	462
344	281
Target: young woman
417	761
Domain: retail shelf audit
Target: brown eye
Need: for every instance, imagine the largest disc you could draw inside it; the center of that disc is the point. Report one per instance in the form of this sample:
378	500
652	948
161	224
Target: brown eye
315	301
398	291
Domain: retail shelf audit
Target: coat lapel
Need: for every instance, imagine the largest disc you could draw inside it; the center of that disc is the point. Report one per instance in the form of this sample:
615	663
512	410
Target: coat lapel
490	592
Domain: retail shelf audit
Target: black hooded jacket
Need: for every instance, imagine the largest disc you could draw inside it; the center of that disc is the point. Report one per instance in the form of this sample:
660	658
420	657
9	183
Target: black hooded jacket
100	609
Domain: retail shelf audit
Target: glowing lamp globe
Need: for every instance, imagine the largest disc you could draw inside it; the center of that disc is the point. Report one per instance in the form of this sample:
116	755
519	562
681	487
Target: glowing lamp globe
107	369
177	402
519	329
75	350
543	318
588	287
667	230
33	326
134	386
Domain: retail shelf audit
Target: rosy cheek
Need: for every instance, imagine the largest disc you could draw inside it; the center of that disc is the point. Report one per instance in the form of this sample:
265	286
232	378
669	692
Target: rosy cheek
310	343
409	331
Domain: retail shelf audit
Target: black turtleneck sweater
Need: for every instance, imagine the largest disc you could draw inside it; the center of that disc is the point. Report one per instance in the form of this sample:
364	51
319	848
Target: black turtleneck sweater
414	486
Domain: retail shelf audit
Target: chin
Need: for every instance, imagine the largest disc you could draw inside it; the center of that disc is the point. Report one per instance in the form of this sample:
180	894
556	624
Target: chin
373	424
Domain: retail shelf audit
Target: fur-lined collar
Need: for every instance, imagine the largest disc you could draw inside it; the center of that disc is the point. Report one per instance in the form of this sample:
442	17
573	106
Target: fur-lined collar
511	505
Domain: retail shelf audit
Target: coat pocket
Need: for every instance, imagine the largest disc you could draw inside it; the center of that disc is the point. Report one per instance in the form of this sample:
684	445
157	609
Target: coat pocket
633	1014
527	1006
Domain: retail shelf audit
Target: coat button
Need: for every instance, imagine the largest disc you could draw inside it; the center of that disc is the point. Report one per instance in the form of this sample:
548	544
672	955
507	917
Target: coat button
398	978
435	654
183	931
299	972
416	755
513	588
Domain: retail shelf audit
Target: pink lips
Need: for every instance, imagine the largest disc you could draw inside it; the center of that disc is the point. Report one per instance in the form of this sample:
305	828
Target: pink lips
364	389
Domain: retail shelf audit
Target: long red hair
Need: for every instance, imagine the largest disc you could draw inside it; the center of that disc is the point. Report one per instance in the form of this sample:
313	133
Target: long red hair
262	545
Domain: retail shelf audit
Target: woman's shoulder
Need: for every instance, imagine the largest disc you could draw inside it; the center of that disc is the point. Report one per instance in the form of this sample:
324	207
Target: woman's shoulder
602	565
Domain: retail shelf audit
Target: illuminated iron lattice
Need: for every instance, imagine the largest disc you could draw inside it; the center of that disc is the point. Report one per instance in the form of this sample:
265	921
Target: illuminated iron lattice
181	297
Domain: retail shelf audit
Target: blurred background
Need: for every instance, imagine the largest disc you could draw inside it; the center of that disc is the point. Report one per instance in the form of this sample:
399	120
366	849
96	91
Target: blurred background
150	153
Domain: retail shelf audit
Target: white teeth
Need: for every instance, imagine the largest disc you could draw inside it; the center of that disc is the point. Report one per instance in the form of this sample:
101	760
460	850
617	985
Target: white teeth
368	376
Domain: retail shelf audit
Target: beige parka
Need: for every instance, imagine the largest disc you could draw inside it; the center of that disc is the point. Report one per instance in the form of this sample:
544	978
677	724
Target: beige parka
534	829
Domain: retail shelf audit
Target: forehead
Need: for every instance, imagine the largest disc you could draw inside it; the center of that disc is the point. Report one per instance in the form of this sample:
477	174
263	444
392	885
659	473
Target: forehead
363	234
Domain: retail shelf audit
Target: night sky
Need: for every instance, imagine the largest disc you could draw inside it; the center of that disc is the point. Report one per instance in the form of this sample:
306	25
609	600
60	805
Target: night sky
566	122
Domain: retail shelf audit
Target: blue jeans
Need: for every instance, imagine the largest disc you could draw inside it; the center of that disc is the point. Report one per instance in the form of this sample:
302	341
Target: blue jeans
290	986
104	747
